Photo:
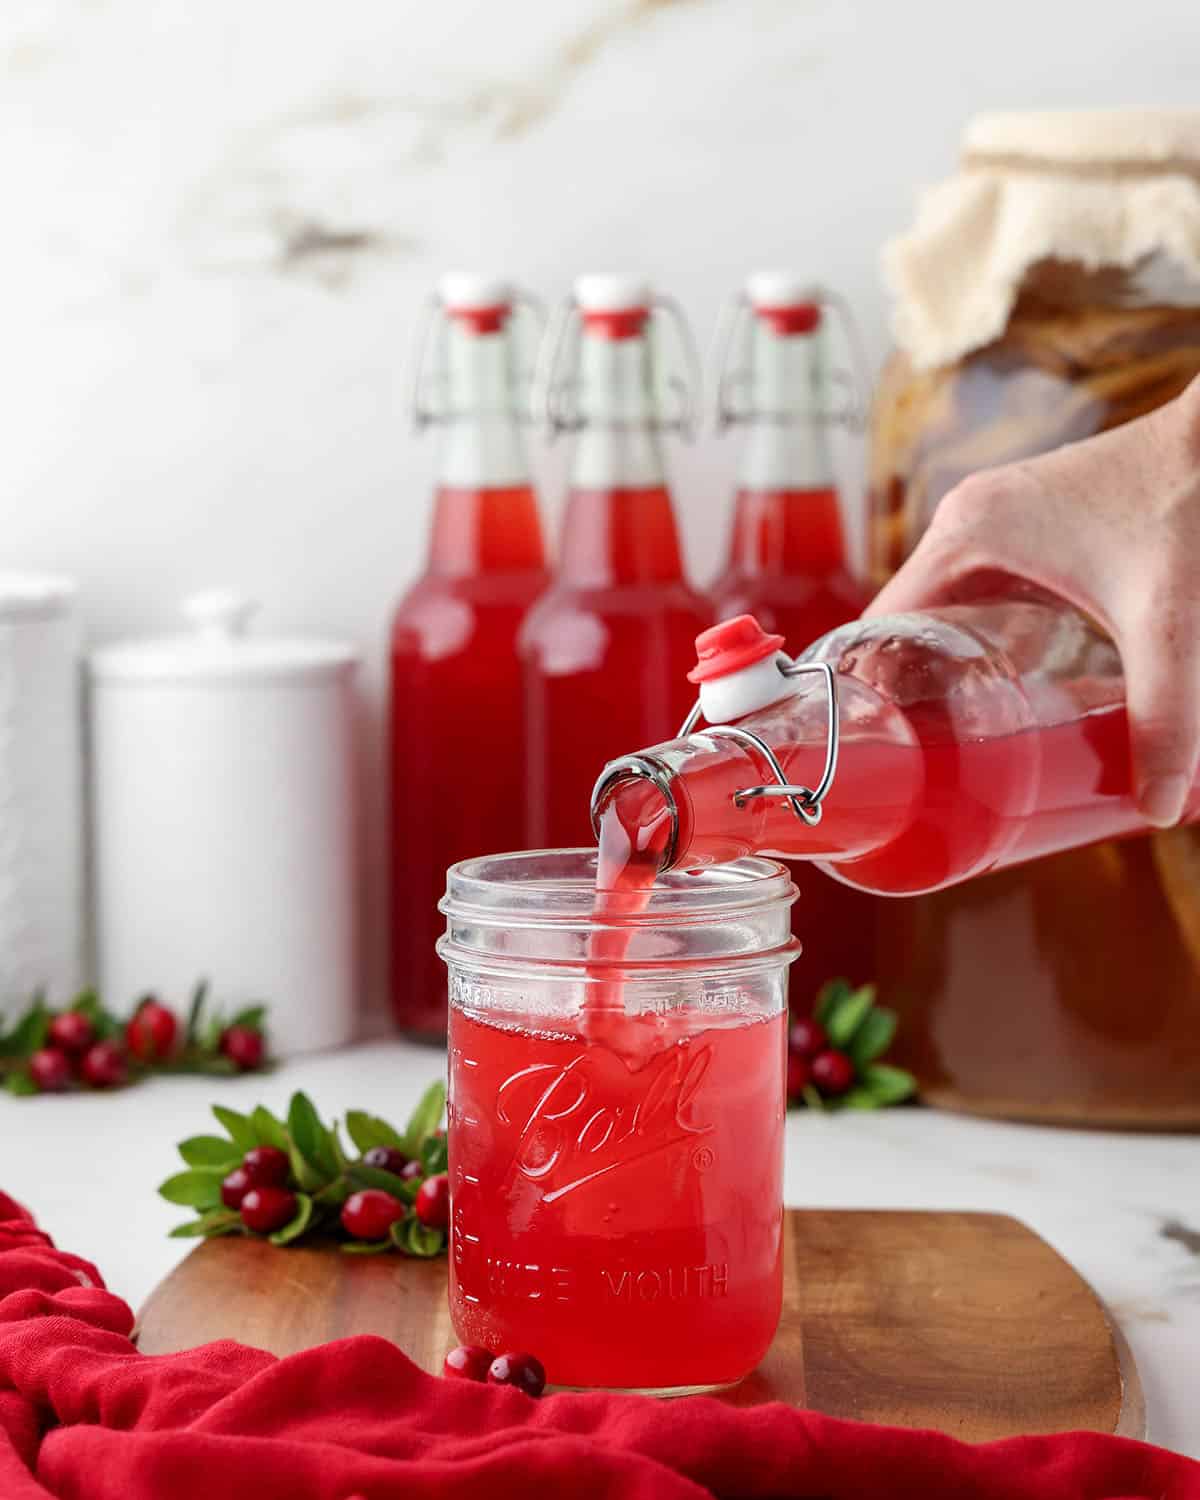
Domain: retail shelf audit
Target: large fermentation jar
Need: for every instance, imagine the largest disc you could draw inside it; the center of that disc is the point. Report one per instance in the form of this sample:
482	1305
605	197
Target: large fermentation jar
1049	291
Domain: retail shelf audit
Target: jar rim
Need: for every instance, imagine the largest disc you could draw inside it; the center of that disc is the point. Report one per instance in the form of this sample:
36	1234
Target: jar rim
553	886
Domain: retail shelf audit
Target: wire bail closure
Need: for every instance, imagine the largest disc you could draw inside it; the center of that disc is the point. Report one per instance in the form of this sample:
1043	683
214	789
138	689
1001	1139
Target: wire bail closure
555	384
804	801
852	412
427	400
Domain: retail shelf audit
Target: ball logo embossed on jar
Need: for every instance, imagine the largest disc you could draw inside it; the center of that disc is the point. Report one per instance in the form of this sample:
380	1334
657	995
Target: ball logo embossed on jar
567	1137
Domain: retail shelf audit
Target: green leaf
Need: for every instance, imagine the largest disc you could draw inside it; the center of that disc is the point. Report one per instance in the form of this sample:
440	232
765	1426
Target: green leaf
433	1155
887	1084
334	1193
251	1017
369	1130
20	1084
296	1226
241	1132
199	1187
363	1176
367	1247
29	1034
210	1151
859	1098
195	1012
215	1221
813	1099
310	1178
268	1131
830	997
849	1014
873	1037
310	1137
339	1153
411	1236
425	1118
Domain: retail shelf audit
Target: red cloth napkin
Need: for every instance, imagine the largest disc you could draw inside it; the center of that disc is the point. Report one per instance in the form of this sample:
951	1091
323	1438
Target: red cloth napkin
84	1416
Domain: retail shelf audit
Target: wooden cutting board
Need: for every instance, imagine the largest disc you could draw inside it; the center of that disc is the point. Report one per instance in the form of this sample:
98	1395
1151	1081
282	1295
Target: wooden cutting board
964	1322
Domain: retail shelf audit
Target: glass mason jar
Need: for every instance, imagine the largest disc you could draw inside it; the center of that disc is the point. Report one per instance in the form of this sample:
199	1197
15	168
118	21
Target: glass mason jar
616	1118
1068	990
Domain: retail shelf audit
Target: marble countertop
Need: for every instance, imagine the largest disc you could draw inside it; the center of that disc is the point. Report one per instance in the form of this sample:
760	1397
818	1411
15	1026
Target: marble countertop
1124	1209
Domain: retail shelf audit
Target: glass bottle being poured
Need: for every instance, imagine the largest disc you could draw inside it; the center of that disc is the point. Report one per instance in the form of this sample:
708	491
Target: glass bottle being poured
901	754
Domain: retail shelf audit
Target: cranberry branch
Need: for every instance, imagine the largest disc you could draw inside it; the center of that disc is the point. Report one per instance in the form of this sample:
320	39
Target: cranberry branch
834	1056
84	1045
290	1179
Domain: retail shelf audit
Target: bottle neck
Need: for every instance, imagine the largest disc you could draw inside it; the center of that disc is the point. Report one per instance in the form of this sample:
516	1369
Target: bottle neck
618	446
480	441
787	437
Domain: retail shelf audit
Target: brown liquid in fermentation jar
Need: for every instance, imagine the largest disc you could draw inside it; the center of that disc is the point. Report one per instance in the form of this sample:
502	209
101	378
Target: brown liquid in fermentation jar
1068	990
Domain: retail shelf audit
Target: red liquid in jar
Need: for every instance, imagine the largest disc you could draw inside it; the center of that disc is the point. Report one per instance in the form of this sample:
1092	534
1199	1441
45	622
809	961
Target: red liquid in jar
619	1218
606	653
787	567
456	792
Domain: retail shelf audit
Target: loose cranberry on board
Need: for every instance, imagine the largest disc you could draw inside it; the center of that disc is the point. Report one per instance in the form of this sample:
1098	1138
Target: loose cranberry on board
522	1371
468	1362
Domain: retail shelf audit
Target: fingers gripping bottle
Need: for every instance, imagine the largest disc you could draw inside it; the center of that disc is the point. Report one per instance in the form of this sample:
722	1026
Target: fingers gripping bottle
606	648
453	647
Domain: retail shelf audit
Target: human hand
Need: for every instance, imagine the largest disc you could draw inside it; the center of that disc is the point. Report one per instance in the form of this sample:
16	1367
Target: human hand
1111	524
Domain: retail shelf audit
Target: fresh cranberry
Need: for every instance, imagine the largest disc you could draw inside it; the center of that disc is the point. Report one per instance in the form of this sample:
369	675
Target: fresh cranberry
244	1047
235	1187
369	1214
72	1033
432	1203
468	1362
266	1166
413	1171
103	1066
799	1075
50	1069
387	1159
266	1209
150	1035
807	1038
832	1072
520	1370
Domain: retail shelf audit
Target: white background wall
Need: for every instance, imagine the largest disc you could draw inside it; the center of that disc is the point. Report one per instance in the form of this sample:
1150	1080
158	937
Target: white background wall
194	391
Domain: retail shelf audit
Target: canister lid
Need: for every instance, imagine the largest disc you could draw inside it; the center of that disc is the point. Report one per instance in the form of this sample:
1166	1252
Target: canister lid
218	649
34	595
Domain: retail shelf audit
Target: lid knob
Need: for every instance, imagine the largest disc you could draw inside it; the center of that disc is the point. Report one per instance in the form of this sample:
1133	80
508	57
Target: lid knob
732	646
220	614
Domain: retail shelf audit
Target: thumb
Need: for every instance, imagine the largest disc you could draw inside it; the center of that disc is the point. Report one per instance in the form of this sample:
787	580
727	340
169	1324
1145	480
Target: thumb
1162	680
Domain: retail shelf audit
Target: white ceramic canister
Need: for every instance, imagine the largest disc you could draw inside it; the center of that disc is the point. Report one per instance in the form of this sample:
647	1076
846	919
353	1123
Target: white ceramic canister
41	793
224	812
